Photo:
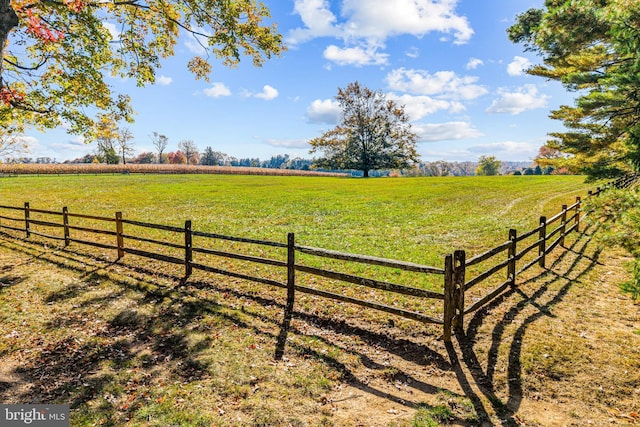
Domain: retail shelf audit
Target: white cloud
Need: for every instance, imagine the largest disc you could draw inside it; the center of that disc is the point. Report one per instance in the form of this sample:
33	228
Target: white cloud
268	93
324	111
318	19
217	90
164	80
431	132
289	143
413	52
474	63
443	83
523	99
370	22
419	106
76	144
507	151
26	140
78	140
357	56
379	20
518	66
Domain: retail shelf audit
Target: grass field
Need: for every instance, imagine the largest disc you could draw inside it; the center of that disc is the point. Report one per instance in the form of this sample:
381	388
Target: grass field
417	220
127	348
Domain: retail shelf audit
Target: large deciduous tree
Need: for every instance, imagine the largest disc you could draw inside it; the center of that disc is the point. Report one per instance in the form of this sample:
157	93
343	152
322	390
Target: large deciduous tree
373	133
591	47
56	55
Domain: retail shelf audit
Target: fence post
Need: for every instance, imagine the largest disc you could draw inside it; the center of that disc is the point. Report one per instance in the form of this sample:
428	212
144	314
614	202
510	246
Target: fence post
65	223
119	238
27	226
542	237
291	289
511	267
449	308
291	276
188	249
563	224
459	266
578	204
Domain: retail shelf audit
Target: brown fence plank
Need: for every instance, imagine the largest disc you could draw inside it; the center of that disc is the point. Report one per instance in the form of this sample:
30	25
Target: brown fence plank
528	249
488	254
239	239
483	276
45	223
237	275
15	208
393	310
529	265
97	218
92	230
241	257
154	226
9	218
371	283
156	242
42	211
384	262
12	228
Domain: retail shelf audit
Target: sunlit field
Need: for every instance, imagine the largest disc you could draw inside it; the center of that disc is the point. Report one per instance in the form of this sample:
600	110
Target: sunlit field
416	219
129	343
412	219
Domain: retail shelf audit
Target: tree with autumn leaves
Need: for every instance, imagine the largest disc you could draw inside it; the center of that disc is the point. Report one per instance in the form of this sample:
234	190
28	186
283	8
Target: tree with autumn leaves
592	47
57	54
374	133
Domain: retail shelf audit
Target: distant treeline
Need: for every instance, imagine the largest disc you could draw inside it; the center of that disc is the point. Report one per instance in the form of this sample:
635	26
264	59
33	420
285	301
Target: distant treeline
437	168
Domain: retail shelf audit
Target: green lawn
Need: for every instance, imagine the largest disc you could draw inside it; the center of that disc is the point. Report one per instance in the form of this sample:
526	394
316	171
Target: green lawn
412	219
127	348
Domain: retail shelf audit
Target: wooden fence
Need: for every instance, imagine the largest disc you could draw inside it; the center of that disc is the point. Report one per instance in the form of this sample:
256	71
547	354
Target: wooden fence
523	251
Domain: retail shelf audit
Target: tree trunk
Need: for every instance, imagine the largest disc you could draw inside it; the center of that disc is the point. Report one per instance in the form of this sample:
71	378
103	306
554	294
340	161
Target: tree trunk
365	173
8	20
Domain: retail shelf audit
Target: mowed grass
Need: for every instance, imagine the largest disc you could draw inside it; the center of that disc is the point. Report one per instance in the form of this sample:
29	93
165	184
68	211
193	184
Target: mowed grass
126	348
413	219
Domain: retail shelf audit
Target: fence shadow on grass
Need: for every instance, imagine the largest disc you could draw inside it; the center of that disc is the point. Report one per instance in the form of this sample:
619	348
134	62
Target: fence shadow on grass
548	288
68	365
128	325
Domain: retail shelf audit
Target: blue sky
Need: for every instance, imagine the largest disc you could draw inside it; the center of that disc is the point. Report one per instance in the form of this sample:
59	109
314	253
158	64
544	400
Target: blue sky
449	62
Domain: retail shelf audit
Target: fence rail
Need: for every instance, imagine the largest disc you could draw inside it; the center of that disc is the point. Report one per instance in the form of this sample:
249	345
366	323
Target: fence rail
545	240
456	270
